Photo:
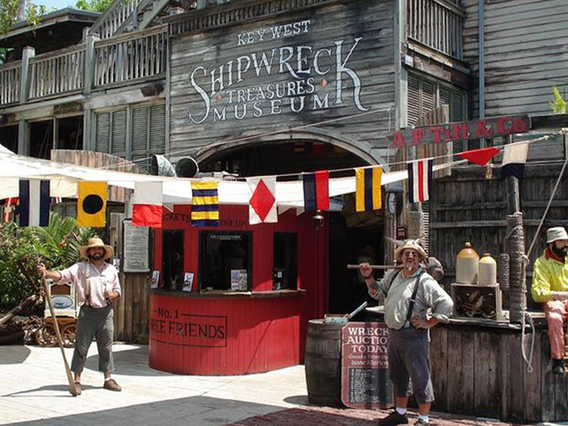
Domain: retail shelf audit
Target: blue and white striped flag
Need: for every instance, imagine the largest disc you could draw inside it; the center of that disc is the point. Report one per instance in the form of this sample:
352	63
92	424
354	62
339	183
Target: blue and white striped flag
34	202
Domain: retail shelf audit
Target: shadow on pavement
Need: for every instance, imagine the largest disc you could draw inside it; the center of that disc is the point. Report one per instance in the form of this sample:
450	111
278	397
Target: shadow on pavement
193	411
47	392
128	362
17	354
298	400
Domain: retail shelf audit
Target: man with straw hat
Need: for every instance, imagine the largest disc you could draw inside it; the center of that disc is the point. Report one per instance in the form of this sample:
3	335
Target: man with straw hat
96	283
410	294
550	286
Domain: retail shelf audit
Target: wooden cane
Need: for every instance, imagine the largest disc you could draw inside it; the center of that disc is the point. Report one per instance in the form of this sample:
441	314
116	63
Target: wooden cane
72	389
377	266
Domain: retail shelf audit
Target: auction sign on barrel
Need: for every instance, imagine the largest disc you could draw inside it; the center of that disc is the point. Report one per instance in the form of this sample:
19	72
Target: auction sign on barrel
364	368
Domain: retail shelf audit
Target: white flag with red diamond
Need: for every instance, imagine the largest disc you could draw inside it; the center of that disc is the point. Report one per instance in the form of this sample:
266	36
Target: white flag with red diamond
262	203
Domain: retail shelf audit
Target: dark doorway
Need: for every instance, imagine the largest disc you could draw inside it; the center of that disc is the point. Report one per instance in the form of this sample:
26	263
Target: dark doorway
41	139
70	131
281	158
9	138
172	259
351	246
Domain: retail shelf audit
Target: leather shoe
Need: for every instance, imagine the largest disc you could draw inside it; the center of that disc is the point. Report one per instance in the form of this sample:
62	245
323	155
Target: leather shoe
394	418
111	384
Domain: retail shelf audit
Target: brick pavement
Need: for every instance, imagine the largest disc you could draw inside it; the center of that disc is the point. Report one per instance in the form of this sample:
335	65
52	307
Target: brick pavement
325	416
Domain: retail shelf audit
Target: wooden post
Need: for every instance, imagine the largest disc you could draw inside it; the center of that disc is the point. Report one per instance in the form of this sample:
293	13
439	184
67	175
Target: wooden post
72	389
27	53
23	138
90	59
513	195
88	143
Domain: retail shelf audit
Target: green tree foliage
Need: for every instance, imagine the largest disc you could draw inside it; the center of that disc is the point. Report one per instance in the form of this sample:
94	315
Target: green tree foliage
559	106
56	245
93	5
9	10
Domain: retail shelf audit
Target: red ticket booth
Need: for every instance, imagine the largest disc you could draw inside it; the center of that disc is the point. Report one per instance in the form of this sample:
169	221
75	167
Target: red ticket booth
235	299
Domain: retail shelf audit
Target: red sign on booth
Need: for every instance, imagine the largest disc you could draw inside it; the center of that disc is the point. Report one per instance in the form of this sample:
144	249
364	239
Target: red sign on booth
401	233
365	379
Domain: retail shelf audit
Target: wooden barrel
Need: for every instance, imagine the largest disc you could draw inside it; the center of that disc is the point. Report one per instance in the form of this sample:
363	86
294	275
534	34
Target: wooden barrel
323	363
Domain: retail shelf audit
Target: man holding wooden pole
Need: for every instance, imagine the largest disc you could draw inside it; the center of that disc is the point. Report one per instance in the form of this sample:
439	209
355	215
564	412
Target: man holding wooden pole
410	293
96	283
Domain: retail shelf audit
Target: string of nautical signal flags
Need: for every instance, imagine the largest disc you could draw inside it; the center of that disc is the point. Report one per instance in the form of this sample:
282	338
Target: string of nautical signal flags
33	203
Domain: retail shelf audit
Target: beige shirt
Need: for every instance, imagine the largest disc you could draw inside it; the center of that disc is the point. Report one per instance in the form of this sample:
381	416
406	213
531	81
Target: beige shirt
431	297
91	283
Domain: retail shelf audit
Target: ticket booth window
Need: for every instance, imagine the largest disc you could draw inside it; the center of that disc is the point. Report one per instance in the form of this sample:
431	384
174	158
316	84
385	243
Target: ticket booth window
285	271
225	260
172	260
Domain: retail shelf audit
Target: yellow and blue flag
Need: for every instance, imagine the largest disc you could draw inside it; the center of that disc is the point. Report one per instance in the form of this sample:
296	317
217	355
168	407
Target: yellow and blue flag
368	189
204	203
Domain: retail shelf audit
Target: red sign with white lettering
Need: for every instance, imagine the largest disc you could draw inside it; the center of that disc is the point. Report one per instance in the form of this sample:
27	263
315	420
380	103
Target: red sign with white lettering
462	131
365	380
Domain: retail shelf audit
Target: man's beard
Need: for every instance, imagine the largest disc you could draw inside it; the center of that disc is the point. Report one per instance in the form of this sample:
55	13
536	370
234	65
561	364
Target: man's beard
561	252
96	256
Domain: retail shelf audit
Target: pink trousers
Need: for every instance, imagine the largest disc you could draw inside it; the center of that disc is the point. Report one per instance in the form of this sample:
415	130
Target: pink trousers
556	313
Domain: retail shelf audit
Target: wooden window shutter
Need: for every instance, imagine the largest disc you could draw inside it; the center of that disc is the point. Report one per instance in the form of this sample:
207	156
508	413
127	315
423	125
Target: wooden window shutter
445	98
102	133
140	122
413	100
158	129
118	144
427	97
457	107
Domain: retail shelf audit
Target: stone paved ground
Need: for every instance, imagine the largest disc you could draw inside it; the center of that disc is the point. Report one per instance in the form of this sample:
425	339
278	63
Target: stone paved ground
33	392
323	416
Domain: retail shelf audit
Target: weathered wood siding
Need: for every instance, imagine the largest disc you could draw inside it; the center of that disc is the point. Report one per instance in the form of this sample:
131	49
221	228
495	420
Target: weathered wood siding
469	207
339	54
481	371
525	54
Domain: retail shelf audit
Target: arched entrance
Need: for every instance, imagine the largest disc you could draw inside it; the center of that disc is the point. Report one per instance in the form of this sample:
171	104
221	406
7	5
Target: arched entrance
353	237
274	153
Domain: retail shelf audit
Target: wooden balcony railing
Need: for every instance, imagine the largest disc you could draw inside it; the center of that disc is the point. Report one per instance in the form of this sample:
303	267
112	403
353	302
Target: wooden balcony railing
57	72
437	24
10	78
130	57
113	17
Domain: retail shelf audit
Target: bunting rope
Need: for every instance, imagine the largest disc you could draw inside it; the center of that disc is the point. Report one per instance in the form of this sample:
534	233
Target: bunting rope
141	160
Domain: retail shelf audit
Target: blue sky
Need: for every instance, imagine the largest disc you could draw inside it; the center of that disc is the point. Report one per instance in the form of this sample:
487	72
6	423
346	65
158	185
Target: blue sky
57	4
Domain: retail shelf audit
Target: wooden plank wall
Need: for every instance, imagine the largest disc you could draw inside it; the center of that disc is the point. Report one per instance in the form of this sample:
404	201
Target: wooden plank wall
131	314
524	58
480	371
470	207
372	60
98	160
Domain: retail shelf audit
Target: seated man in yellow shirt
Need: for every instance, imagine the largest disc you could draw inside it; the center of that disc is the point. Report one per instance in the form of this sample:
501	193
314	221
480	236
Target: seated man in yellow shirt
550	286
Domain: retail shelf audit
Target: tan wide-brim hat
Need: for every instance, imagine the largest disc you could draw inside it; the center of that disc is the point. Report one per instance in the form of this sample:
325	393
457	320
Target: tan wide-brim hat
96	242
555	234
410	244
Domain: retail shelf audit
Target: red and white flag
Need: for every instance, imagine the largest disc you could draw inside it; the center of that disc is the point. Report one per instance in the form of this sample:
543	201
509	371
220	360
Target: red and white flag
9	206
420	180
147	204
262	203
